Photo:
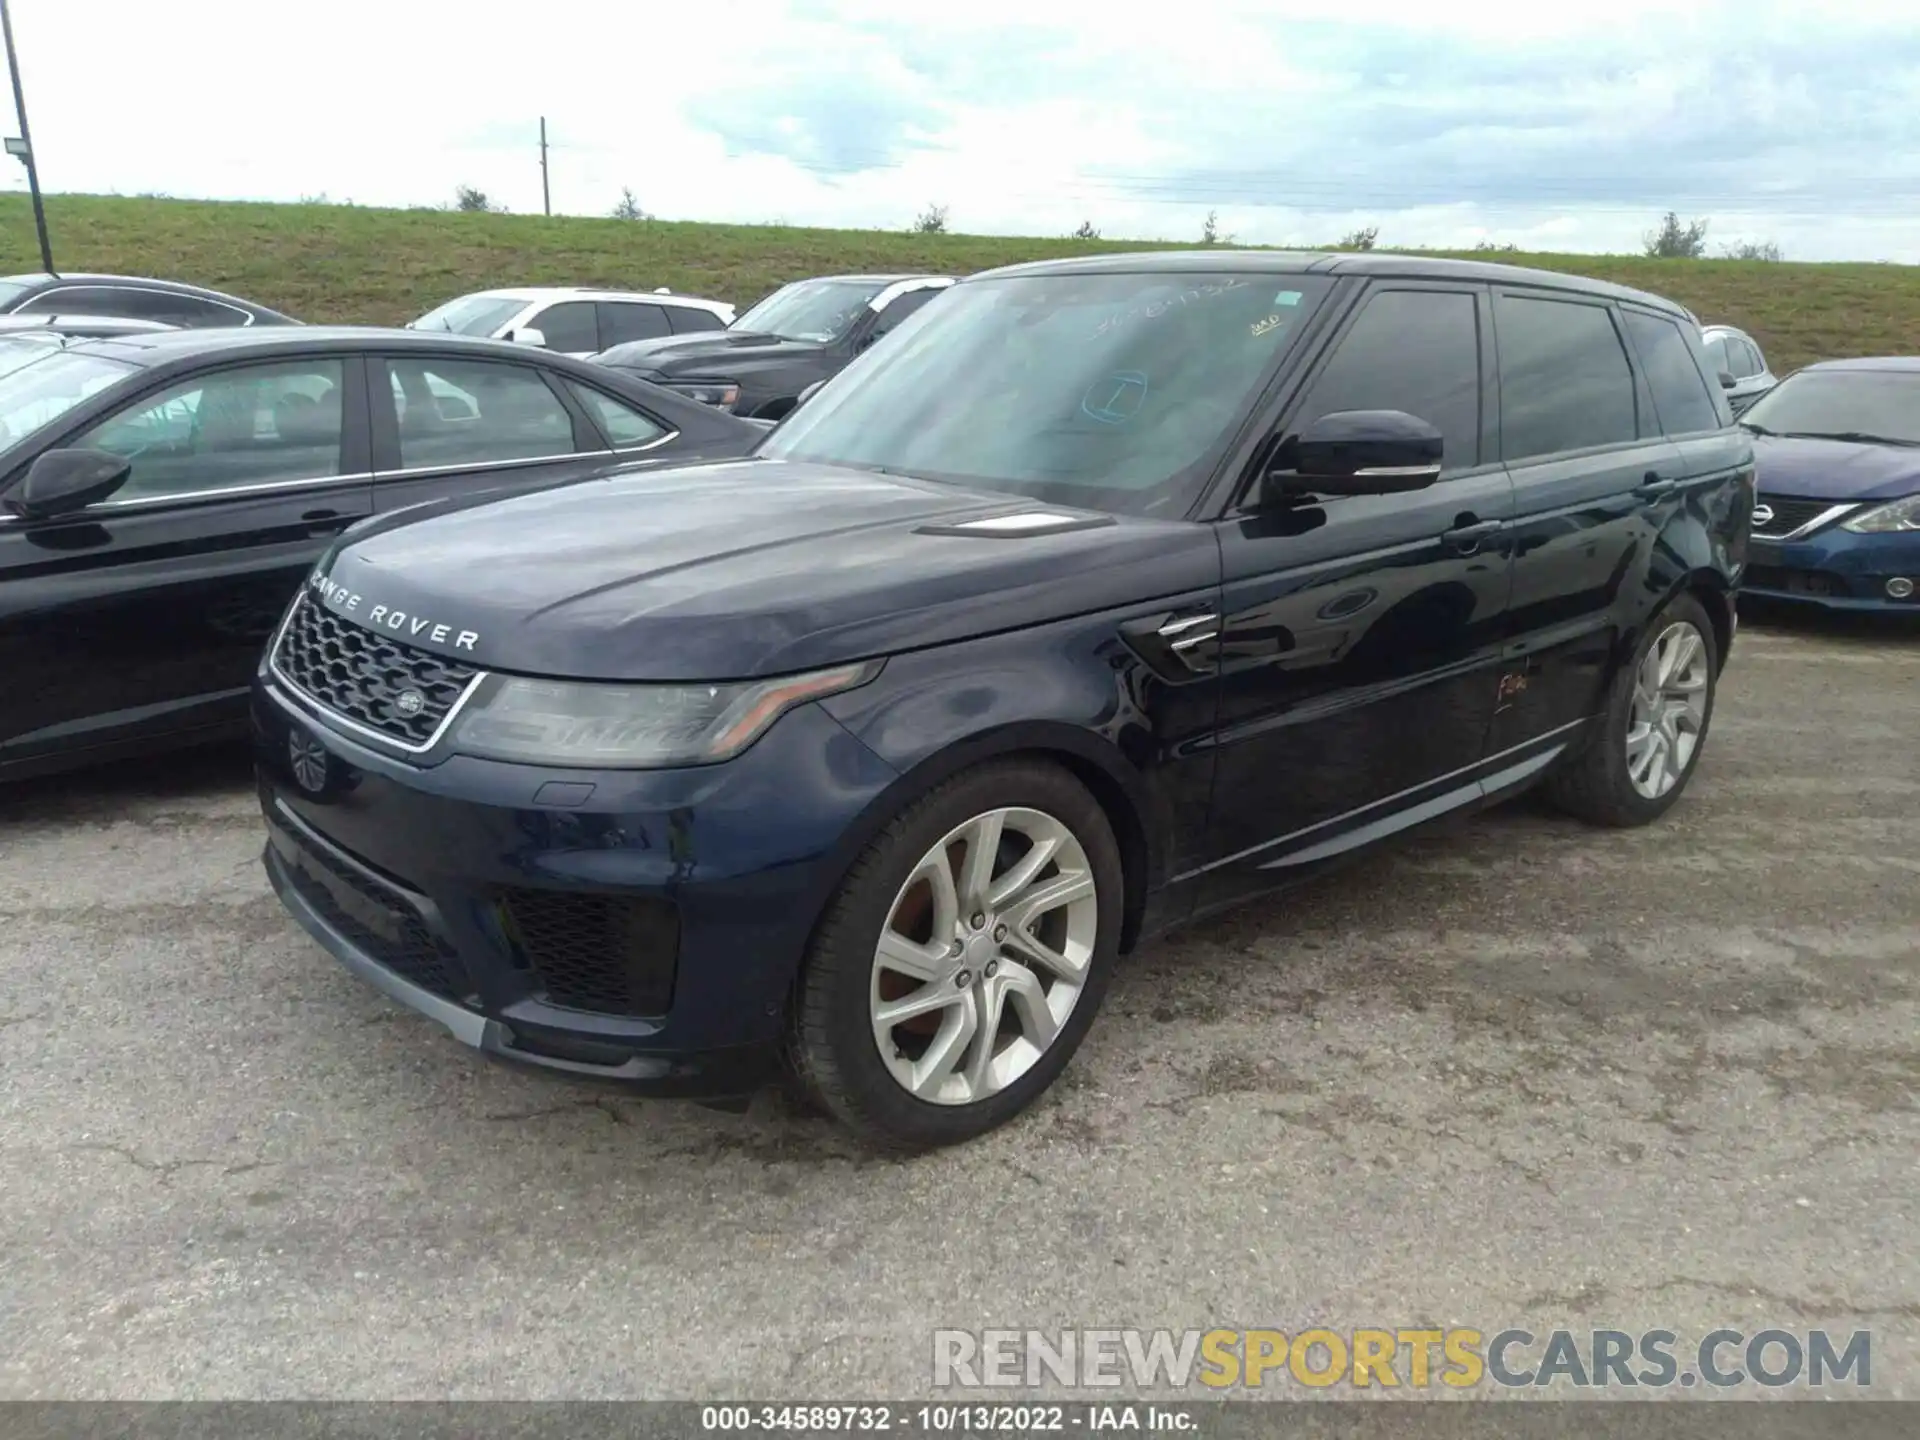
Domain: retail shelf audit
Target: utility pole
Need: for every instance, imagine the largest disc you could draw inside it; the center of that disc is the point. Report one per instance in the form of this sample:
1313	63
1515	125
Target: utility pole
546	196
22	149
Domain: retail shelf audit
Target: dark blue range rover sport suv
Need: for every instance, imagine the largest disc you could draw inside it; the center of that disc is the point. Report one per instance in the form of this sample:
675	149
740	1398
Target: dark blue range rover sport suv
1098	596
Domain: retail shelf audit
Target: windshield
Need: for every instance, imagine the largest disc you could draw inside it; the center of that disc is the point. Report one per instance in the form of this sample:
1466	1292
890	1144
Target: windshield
1848	404
12	289
32	395
1112	392
471	315
812	310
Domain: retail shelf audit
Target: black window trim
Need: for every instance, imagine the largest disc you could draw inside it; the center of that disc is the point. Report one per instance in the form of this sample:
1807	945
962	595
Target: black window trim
354	443
1642	396
1314	352
1711	382
384	420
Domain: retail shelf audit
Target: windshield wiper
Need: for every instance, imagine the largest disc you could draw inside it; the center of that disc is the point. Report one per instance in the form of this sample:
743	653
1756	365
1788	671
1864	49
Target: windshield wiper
1854	437
1756	429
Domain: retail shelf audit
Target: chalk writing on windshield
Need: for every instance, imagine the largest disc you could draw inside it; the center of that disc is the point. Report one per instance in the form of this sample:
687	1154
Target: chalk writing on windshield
1155	309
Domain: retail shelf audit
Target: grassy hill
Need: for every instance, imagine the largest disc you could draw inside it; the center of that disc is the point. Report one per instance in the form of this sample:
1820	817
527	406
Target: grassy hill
365	266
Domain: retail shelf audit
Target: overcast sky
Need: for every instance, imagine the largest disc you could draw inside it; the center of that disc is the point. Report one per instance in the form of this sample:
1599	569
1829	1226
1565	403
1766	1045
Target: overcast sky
1556	124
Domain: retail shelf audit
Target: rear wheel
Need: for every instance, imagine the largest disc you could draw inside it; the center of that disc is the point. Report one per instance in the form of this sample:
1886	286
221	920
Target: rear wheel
1654	726
963	959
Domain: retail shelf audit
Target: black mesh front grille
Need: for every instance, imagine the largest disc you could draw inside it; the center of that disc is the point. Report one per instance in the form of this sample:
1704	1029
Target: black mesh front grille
1789	514
1793	582
369	677
375	922
616	956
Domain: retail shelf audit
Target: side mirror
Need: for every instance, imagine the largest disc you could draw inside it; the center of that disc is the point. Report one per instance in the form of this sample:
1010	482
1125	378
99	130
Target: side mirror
62	481
1727	382
527	335
1356	452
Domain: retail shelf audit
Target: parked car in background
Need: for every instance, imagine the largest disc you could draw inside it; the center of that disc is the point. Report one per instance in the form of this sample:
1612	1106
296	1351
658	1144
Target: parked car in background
800	335
167	302
162	497
1735	353
1837	521
1113	592
575	321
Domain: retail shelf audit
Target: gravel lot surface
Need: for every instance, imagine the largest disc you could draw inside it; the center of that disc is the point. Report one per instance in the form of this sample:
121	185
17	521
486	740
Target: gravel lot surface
1522	1074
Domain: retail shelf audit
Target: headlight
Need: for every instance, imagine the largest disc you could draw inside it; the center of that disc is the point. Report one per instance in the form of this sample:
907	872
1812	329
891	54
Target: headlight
1901	515
721	394
639	727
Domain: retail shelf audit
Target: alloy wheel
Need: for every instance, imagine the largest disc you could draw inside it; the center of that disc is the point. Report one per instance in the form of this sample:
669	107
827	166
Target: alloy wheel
1669	710
983	956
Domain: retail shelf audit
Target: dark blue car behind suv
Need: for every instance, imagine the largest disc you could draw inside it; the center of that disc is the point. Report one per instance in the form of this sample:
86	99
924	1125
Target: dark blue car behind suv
1837	454
1099	595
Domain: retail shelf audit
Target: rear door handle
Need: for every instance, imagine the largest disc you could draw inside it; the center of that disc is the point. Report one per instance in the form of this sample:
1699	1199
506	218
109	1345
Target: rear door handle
326	522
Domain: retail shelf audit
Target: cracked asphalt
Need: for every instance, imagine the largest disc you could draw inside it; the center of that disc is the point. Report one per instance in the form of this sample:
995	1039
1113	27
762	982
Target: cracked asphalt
1524	1074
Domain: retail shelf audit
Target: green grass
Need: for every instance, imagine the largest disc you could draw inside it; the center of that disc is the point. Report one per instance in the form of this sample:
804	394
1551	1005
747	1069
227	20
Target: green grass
360	265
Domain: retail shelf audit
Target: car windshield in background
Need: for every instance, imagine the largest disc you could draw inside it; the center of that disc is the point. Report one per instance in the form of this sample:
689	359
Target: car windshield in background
471	315
12	289
812	310
1863	405
35	394
19	350
1113	392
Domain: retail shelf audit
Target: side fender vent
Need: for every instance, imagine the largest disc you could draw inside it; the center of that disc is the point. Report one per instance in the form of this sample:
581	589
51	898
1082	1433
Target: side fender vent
1019	525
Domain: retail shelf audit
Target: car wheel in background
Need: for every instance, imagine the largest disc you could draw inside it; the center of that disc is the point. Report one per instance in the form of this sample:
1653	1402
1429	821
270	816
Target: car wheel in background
962	960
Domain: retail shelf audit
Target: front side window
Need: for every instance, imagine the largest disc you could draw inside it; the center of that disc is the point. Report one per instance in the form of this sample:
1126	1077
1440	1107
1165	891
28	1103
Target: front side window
1417	351
40	392
253	426
464	412
626	427
1717	355
569	327
901	307
624	320
811	310
1680	393
1112	391
1565	383
1747	360
471	315
1858	405
692	320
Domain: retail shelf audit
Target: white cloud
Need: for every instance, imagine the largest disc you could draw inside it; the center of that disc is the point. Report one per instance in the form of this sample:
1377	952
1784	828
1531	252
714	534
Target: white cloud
1566	125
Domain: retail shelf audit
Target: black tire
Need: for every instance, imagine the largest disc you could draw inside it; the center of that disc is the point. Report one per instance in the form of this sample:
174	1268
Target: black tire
830	1042
1594	786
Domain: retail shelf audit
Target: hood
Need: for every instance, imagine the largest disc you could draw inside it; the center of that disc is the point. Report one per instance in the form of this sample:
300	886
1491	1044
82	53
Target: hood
696	354
1834	469
740	570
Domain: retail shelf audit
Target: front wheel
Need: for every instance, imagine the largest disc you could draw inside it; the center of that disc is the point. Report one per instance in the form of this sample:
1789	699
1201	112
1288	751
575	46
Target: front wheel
1649	738
962	960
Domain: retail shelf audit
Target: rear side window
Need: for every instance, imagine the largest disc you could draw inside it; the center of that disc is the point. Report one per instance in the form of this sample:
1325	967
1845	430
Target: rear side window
459	412
690	320
621	321
1680	393
1565	383
569	327
1411	350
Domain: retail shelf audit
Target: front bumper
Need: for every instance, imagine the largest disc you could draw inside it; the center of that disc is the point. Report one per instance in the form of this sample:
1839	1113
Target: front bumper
691	894
1835	569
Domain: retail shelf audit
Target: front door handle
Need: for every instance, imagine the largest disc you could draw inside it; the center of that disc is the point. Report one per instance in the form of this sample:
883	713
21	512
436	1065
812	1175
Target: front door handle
1652	486
1467	537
